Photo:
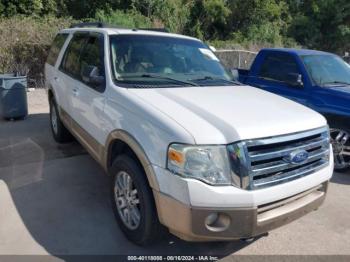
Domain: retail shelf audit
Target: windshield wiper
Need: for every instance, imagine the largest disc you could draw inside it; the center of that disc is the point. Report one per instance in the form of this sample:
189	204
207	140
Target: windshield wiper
156	76
214	78
336	82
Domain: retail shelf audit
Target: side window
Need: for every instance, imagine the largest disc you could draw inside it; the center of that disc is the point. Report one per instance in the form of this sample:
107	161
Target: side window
70	62
91	59
55	49
278	67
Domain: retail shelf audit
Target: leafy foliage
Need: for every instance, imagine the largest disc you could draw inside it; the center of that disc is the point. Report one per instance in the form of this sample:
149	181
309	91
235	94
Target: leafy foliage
128	19
319	24
208	19
322	24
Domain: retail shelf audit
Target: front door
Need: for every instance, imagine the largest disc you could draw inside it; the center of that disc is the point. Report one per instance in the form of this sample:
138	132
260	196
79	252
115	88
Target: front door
274	75
88	97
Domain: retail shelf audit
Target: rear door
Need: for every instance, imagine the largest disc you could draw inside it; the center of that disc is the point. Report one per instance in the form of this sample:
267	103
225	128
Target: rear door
274	74
51	65
69	70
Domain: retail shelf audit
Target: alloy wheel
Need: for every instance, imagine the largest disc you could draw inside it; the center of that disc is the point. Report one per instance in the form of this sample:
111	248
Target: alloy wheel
54	119
340	140
127	200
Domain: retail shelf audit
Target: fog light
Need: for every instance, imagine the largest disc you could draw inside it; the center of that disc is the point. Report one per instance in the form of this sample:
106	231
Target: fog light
217	222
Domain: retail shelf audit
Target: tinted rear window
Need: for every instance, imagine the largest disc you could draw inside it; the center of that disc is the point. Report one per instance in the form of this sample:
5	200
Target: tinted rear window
278	66
57	44
71	60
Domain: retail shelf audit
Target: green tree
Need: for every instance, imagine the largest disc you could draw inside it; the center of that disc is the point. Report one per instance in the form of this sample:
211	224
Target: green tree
82	9
128	19
208	19
259	20
32	7
54	7
322	24
2	9
173	14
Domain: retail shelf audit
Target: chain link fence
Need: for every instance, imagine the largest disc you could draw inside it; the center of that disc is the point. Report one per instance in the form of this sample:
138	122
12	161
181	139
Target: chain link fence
231	58
346	57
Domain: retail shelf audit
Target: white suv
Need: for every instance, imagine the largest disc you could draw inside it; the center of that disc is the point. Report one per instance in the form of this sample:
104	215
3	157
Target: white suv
186	147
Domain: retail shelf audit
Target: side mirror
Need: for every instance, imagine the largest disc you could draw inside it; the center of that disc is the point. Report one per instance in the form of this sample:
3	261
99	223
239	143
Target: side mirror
234	72
212	48
90	75
295	80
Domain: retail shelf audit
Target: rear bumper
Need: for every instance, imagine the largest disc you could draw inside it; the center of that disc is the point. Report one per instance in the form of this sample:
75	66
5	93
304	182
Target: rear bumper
210	224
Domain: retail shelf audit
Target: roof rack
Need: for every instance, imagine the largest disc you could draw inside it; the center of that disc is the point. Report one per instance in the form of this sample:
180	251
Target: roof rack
96	24
164	30
105	25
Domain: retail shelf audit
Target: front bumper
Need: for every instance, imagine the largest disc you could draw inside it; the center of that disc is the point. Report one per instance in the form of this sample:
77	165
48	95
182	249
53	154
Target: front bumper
210	224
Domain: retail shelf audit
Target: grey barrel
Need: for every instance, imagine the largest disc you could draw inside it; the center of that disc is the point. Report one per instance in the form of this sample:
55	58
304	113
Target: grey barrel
13	96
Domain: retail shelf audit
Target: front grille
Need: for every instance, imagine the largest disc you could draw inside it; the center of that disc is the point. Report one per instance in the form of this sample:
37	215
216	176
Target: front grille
268	162
282	202
270	211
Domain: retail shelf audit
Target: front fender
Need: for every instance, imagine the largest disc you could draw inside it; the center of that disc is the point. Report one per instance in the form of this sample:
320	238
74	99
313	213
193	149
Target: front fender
128	139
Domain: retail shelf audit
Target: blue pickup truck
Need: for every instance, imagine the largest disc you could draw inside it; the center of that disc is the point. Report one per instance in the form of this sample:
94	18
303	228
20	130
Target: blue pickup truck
315	79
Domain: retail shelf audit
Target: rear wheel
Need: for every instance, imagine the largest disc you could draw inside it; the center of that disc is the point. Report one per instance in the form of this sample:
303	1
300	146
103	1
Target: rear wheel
340	140
133	202
59	131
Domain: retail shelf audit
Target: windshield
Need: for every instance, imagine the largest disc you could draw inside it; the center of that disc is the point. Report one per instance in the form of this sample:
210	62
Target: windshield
164	61
327	70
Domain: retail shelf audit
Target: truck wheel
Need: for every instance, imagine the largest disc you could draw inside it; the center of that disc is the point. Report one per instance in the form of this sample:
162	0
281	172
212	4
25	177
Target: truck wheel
133	202
340	140
59	131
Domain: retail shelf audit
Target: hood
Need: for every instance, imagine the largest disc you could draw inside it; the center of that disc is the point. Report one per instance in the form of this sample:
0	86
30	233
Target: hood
221	115
341	89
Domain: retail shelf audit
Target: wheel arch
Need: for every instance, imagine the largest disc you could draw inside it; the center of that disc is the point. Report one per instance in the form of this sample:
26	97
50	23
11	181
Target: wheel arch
121	142
50	93
338	121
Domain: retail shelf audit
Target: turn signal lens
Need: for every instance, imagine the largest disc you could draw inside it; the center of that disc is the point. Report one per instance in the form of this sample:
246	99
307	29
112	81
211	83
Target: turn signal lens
175	156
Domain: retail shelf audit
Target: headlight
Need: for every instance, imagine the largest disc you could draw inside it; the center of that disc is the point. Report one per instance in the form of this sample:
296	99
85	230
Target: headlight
209	164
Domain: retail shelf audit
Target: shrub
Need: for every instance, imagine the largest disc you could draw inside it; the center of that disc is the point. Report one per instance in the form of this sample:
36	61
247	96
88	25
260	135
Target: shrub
25	42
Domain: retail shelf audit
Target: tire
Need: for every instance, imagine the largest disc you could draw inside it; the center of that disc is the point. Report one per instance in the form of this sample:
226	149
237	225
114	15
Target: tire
59	131
147	229
340	139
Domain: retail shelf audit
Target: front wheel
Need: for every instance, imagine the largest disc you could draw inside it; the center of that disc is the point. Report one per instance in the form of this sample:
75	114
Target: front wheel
133	202
340	140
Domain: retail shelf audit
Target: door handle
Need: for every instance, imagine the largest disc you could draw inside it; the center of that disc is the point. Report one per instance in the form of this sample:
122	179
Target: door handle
75	91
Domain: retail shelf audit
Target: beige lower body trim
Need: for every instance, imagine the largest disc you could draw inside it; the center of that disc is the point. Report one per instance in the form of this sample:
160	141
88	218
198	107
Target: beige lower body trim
95	149
191	223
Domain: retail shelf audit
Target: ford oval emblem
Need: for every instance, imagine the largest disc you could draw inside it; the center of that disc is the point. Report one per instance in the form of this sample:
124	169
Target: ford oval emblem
297	157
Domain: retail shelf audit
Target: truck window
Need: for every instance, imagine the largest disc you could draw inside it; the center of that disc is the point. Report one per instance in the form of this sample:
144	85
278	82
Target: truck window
278	67
70	62
55	49
327	69
92	55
